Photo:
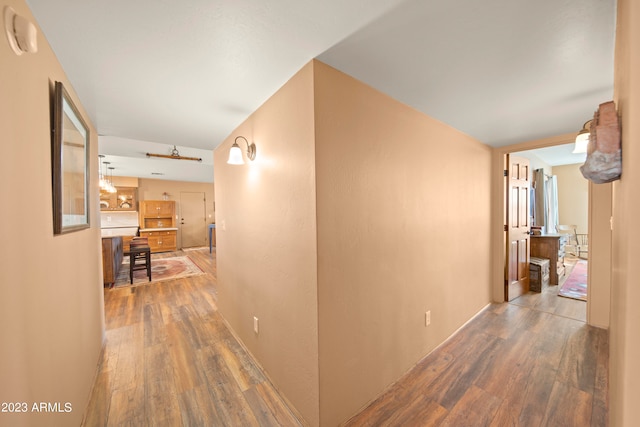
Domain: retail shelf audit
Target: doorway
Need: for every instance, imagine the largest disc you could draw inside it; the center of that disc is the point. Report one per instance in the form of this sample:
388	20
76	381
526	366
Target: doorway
559	195
600	215
193	223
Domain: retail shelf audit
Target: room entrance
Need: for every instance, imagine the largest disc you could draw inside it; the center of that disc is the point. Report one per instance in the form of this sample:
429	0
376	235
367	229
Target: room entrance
558	195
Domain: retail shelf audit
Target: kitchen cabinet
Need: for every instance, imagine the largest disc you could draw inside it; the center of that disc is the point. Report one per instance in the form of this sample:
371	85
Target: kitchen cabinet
158	224
157	208
112	253
157	214
160	240
124	199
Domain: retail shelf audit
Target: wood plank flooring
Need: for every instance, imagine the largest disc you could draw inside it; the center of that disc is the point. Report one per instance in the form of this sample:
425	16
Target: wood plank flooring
549	301
532	362
170	360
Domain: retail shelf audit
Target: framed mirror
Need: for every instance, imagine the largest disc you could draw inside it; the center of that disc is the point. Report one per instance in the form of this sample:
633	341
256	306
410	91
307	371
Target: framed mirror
69	165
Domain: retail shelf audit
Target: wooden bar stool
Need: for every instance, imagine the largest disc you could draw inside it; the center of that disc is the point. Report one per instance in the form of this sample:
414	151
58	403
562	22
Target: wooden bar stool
139	256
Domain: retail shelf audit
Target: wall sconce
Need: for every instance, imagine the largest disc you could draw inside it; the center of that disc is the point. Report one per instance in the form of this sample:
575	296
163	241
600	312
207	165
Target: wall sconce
21	34
235	153
582	139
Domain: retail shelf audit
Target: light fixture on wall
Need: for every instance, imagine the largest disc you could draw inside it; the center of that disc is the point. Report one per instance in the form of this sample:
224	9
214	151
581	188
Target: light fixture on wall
582	139
235	153
175	154
21	34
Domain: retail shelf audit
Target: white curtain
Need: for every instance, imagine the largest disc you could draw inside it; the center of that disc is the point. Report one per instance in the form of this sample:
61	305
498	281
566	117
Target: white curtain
551	190
545	200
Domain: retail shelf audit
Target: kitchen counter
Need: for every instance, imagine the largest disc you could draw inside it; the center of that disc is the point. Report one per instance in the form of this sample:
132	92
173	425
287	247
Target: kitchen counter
161	239
118	231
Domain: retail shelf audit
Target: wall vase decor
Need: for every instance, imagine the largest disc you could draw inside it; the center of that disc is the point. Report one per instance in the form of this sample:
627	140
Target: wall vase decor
604	152
69	165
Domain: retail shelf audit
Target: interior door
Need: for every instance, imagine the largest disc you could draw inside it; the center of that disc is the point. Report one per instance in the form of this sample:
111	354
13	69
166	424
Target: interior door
193	223
517	227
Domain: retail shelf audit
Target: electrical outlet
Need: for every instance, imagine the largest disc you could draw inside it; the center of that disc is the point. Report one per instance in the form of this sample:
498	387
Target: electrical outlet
255	324
427	318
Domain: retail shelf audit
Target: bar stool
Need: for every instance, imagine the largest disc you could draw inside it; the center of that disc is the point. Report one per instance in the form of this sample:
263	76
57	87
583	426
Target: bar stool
139	256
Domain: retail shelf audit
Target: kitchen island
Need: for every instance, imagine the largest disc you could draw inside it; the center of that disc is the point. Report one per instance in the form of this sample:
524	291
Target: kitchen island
112	254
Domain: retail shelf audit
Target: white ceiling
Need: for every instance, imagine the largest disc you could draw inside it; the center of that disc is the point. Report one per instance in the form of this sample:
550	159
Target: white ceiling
558	155
187	74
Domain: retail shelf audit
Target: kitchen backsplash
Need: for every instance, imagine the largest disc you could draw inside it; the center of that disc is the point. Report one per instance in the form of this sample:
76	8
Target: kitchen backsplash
118	219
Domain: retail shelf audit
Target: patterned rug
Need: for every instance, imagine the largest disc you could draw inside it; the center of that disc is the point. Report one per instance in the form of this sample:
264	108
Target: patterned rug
197	248
576	284
161	269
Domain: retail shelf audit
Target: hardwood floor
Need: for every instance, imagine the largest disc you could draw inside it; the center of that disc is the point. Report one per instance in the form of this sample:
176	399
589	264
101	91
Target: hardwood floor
549	301
532	362
171	360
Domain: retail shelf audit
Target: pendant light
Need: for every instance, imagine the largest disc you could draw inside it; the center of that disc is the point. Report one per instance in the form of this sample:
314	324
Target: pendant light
102	182
112	188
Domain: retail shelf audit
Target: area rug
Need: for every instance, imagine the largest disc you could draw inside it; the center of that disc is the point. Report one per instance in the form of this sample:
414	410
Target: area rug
161	269
197	248
576	284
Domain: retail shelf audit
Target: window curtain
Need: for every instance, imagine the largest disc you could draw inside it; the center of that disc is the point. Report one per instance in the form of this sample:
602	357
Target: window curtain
545	200
551	201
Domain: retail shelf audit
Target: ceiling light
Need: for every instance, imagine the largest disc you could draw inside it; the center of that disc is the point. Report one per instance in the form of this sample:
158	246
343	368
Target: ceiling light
235	153
582	139
102	180
174	155
112	188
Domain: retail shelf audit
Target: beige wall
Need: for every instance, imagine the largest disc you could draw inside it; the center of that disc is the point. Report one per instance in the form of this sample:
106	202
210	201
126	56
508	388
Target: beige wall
266	235
573	196
342	320
153	189
600	249
125	181
403	227
51	297
625	295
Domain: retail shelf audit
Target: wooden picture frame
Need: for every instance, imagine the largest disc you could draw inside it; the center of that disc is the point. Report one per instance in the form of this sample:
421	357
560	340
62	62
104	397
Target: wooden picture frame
69	165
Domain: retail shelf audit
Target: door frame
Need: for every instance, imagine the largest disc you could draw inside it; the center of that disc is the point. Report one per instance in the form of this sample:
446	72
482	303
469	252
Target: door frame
598	309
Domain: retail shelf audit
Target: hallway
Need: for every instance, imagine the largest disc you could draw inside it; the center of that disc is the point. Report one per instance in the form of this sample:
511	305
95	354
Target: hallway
171	360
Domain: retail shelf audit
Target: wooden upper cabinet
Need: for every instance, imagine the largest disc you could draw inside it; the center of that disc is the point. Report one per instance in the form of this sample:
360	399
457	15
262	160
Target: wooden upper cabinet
157	208
157	214
125	199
